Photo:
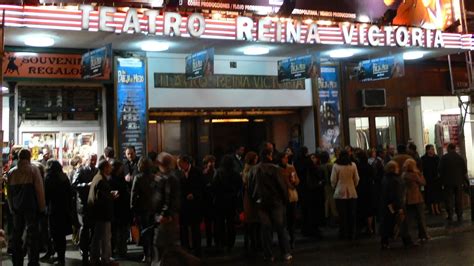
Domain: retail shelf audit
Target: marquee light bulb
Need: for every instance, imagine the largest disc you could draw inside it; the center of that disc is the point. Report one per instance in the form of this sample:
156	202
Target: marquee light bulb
341	53
39	41
413	55
154	46
256	50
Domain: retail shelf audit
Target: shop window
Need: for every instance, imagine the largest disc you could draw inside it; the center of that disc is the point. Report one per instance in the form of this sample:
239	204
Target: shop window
359	132
59	103
386	131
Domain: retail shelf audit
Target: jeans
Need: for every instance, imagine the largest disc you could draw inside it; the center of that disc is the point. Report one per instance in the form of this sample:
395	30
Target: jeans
20	222
101	245
85	234
347	210
453	196
273	218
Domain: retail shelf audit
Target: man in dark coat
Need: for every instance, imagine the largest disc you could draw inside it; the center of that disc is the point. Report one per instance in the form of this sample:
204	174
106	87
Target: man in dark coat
81	183
430	162
238	159
453	173
192	190
130	165
269	191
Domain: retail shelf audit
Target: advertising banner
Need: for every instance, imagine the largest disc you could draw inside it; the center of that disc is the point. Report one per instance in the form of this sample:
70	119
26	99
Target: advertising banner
382	68
296	68
200	64
329	108
131	104
96	63
41	65
450	129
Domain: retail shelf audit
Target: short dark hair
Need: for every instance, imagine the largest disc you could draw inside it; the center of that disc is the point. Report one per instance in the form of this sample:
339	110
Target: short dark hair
209	158
102	165
279	156
402	149
152	155
451	147
428	147
412	147
324	157
24	154
144	165
186	158
264	154
130	147
109	152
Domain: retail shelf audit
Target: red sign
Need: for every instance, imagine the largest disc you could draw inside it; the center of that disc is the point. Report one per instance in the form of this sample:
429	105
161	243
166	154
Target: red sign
41	65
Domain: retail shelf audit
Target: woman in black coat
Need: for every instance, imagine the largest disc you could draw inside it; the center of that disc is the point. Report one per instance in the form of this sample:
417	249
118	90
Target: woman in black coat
58	193
227	185
366	207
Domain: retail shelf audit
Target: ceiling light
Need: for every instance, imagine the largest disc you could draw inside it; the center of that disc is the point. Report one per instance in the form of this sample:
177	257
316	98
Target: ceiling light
4	89
364	19
39	40
341	53
413	55
256	50
154	46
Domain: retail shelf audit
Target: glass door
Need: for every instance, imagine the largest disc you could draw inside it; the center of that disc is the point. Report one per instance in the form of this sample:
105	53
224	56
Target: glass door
359	132
386	130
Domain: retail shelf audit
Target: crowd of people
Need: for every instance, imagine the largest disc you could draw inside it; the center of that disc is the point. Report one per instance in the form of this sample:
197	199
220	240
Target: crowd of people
159	200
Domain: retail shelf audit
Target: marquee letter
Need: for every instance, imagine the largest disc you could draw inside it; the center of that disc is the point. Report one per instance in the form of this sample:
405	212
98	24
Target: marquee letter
373	40
104	18
388	35
293	32
172	22
428	39
362	34
86	11
278	31
416	37
313	34
438	39
262	30
201	25
347	32
244	28
401	36
151	14
132	20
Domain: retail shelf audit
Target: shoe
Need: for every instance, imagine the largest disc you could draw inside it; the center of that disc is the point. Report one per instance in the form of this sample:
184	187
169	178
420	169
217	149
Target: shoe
46	256
287	257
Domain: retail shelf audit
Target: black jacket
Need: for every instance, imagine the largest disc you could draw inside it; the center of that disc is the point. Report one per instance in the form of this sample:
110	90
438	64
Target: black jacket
122	212
430	168
227	186
266	185
191	210
100	200
59	203
80	183
142	192
166	199
452	169
392	193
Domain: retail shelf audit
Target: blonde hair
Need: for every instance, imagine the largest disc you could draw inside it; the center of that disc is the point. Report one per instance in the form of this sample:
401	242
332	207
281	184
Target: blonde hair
410	166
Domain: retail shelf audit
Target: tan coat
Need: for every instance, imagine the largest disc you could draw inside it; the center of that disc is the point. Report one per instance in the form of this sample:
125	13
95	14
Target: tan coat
345	178
413	181
286	174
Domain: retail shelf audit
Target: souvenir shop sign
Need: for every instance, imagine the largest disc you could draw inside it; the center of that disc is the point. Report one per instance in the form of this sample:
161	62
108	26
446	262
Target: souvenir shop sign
382	68
41	65
131	104
179	81
97	63
329	108
296	68
200	64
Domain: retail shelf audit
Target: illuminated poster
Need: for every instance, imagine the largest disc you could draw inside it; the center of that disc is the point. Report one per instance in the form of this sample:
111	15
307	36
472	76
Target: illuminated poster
200	64
131	104
382	68
329	109
296	68
96	63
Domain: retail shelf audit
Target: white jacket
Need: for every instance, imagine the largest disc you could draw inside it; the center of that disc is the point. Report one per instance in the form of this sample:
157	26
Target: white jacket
344	178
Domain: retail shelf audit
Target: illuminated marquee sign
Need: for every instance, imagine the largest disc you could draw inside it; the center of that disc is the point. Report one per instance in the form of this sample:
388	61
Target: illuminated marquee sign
110	19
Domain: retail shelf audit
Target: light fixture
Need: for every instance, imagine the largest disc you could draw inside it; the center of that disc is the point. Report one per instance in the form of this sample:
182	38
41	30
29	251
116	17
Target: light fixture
39	40
341	53
4	89
256	50
230	120
413	55
364	19
154	46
